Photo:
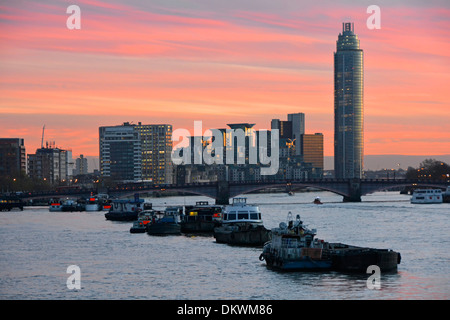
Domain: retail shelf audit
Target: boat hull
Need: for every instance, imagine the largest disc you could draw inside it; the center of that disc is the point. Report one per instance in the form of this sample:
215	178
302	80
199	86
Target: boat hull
255	236
137	230
198	226
345	259
163	229
358	260
303	264
92	207
121	216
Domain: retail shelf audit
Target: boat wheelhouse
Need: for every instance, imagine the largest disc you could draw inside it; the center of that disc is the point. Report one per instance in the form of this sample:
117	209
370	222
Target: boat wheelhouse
202	217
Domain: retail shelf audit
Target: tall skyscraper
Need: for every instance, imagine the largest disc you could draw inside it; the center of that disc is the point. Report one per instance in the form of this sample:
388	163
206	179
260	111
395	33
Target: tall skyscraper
348	105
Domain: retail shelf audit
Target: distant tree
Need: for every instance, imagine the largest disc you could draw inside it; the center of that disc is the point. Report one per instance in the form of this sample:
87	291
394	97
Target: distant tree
430	169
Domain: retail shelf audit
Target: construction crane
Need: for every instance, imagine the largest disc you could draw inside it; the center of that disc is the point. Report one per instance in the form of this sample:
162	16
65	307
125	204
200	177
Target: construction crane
42	140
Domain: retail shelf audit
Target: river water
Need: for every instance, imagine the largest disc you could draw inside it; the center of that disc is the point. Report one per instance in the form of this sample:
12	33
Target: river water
37	247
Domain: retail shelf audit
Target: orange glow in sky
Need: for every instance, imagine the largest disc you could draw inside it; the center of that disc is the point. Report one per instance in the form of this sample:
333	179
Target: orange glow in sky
220	62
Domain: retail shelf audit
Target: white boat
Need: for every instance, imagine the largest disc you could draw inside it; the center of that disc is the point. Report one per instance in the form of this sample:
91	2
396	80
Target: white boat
242	225
422	196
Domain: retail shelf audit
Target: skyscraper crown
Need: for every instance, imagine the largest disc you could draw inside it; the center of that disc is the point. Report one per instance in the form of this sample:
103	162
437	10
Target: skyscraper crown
347	40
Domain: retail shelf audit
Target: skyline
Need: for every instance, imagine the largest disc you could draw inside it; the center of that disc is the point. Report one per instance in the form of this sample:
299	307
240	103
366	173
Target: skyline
157	63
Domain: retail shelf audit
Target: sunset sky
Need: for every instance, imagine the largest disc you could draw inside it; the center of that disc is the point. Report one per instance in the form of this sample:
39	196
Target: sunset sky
220	61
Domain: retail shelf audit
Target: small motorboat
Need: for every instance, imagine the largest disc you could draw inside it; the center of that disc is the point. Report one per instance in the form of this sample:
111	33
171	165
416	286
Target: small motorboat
317	201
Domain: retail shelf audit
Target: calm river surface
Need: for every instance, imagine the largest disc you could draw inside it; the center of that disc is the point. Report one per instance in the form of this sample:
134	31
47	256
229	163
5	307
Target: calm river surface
37	246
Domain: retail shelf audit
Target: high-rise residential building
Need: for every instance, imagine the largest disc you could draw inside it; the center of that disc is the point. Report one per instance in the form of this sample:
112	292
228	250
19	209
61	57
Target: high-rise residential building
49	164
156	146
81	165
12	157
312	145
131	152
348	105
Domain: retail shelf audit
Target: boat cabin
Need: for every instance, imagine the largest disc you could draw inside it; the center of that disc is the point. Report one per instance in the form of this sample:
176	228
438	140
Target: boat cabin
240	211
203	211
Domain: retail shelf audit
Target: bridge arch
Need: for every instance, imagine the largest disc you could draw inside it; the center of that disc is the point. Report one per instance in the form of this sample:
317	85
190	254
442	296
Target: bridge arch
381	187
252	188
190	191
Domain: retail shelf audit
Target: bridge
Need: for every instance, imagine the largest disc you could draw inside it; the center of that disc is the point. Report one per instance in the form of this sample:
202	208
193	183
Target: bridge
350	189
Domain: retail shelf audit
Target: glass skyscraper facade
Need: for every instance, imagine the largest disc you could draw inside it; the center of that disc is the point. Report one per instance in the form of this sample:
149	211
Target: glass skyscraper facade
348	105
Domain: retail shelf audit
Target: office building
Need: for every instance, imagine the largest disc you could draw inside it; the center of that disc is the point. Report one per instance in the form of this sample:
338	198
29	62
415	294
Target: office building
12	157
120	153
312	150
298	128
131	152
348	105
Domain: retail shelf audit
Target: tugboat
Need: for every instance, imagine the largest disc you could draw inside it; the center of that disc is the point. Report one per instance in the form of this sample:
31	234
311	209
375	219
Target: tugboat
167	224
201	218
293	248
242	225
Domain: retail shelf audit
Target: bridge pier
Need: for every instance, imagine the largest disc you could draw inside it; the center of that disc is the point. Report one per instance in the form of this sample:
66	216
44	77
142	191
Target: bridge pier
354	191
223	193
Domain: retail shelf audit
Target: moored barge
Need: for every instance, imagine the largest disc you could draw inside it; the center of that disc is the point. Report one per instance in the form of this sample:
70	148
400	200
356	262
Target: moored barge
294	248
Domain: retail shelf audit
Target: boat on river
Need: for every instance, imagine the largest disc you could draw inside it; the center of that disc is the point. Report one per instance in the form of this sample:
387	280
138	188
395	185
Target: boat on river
425	196
168	224
126	209
242	225
201	218
7	203
71	205
55	205
294	248
317	201
145	217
